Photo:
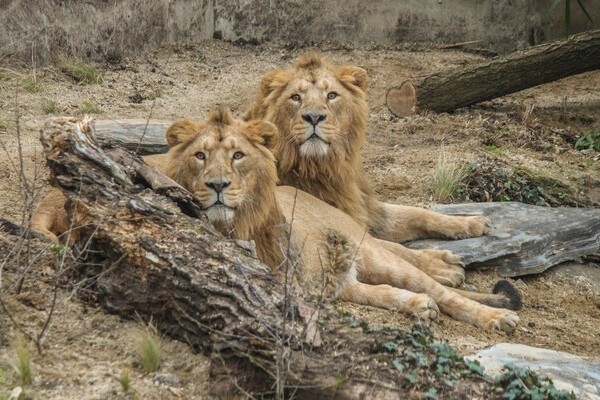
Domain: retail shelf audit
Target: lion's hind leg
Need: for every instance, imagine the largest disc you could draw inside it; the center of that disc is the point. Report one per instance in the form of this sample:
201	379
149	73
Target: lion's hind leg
421	306
384	267
442	265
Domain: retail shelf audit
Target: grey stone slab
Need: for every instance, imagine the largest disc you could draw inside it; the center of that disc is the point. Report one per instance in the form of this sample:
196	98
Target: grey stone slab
567	371
525	239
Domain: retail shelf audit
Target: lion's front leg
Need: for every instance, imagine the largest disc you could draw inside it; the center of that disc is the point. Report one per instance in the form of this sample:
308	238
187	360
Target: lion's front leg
401	223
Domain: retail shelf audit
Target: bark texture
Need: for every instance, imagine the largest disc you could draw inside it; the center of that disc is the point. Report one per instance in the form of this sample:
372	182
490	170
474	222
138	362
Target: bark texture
150	255
449	90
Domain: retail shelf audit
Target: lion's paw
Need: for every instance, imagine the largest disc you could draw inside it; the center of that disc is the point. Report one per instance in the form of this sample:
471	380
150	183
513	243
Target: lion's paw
503	320
443	266
472	226
423	307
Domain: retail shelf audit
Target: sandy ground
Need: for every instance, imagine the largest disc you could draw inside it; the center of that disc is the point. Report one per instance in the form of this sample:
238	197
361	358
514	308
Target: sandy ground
85	350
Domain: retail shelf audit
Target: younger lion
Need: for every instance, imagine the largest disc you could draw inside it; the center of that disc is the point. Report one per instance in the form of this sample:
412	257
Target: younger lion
321	112
228	164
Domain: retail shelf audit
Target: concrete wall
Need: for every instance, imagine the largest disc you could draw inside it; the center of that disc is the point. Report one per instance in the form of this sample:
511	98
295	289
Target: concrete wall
501	25
109	29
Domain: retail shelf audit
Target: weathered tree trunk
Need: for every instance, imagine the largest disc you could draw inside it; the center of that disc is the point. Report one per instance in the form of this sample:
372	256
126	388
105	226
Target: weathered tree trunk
140	136
159	261
449	90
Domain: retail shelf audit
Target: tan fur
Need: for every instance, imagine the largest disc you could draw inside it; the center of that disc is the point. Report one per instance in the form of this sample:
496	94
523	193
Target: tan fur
330	166
332	254
50	217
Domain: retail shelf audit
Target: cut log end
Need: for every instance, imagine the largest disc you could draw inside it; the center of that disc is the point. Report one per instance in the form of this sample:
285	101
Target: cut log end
402	100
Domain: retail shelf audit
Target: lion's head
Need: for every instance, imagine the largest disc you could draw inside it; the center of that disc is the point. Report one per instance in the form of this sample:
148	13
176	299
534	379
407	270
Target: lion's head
228	164
320	111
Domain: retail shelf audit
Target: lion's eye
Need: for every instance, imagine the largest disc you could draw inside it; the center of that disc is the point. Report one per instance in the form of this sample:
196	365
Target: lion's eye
332	95
296	97
200	155
238	155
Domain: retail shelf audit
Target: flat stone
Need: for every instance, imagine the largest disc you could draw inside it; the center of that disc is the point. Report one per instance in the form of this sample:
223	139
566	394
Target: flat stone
525	239
567	371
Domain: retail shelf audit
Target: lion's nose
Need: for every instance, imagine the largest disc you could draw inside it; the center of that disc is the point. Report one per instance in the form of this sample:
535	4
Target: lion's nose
217	186
313	118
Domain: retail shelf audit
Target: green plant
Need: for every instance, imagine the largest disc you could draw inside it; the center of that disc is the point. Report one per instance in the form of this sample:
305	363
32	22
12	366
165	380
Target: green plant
524	384
495	150
447	178
31	84
568	13
50	107
79	70
149	348
125	380
23	363
422	361
89	107
589	141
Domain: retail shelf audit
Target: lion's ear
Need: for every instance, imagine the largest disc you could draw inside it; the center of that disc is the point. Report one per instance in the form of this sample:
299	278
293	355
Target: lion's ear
181	131
273	80
263	133
353	75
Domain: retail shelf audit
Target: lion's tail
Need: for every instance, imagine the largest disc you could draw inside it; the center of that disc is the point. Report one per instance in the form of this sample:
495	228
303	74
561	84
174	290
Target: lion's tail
504	295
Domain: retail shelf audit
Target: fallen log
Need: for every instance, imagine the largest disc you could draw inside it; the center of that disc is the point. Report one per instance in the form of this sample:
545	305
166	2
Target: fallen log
149	255
448	90
140	136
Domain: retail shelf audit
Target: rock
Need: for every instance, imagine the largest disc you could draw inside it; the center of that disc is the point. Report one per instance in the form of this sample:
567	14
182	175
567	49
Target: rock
567	371
525	239
167	379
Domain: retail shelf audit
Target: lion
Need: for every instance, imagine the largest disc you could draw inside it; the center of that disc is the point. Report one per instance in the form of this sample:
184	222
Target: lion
321	112
229	165
50	218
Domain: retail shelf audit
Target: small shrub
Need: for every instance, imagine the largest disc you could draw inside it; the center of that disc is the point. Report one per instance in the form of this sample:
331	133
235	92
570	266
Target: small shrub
495	150
524	384
31	84
447	179
89	107
79	70
589	141
149	348
50	107
125	380
23	364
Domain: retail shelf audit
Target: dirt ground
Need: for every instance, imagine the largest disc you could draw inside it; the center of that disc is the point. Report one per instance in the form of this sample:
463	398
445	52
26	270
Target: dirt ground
86	350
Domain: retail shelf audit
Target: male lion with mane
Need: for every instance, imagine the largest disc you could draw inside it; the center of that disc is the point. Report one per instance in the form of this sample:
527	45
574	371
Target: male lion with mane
321	112
229	165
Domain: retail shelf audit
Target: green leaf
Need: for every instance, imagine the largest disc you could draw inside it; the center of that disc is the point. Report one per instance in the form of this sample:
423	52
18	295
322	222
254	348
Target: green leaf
397	363
390	347
411	377
431	393
475	367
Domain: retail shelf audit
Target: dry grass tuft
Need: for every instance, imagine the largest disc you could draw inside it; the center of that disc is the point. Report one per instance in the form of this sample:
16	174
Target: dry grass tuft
23	363
149	348
448	177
